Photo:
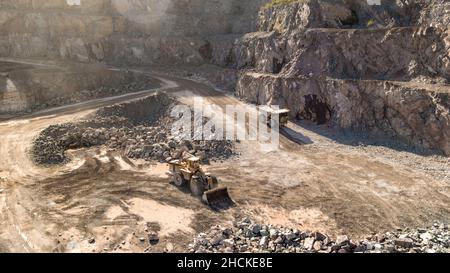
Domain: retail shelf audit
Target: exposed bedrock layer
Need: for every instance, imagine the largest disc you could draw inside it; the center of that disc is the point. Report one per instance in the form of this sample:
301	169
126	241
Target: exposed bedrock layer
354	66
393	54
130	31
28	88
183	31
353	13
417	113
333	40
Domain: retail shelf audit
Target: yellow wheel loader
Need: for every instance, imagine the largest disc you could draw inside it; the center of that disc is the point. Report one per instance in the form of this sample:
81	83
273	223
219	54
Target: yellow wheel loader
188	172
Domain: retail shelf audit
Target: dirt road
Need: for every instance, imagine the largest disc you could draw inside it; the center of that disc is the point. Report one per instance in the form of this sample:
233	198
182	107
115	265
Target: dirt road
103	202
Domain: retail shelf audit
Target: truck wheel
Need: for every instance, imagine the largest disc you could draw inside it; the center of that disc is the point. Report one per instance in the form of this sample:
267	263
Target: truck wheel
196	187
178	180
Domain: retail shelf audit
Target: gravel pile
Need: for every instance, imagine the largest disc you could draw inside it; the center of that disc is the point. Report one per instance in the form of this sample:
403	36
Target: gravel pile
50	146
247	236
141	129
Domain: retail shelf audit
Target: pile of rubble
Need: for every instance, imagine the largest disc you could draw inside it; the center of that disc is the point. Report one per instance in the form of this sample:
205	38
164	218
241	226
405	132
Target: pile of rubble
248	236
141	129
50	146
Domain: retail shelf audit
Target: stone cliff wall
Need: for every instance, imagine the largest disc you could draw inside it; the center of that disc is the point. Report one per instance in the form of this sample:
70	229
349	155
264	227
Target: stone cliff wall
25	88
125	31
383	70
415	113
312	38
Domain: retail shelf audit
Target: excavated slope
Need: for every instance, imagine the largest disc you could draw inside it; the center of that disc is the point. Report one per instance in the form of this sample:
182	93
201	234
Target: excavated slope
354	66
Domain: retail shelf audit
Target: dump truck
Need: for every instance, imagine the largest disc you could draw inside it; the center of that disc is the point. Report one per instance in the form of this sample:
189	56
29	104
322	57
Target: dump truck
189	173
269	112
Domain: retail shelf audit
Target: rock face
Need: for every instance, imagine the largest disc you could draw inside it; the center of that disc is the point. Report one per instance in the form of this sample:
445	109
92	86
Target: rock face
124	31
415	112
435	13
244	238
354	66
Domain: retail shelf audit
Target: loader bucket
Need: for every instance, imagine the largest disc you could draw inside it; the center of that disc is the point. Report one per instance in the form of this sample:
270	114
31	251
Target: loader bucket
218	198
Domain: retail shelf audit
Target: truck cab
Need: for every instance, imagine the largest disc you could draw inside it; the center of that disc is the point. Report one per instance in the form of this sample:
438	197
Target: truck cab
269	112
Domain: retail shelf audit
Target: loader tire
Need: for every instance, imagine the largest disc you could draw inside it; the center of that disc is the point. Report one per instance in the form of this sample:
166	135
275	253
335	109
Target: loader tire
196	186
179	180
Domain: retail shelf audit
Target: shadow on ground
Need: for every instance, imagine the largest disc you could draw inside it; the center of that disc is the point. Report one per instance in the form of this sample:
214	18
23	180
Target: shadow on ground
356	138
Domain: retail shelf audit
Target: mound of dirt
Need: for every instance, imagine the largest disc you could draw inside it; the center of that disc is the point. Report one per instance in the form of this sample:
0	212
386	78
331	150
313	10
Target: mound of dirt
141	129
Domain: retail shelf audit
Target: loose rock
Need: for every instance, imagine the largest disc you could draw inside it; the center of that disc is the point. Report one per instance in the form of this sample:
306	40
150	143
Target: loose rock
242	238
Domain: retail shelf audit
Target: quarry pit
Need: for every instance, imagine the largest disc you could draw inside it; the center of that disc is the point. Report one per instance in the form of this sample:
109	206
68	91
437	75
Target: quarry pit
362	166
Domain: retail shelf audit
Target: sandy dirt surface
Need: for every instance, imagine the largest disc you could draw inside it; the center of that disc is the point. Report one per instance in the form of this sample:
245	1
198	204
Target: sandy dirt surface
103	202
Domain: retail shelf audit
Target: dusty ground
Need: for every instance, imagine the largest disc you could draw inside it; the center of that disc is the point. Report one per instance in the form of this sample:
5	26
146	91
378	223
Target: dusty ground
318	180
